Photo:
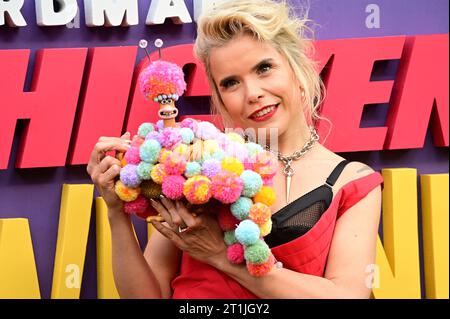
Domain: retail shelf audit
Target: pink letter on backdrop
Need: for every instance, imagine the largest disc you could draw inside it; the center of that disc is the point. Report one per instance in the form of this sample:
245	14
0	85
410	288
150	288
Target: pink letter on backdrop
422	91
104	98
50	105
197	84
349	88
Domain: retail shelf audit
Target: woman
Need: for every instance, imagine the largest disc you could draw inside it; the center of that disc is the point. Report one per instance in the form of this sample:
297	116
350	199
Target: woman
256	58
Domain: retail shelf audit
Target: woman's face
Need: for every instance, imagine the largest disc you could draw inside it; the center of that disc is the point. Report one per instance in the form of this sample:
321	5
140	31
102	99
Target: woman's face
257	85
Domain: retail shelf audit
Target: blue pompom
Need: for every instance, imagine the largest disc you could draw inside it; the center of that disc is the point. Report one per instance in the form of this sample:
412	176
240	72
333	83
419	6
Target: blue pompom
187	135
145	128
253	148
149	151
219	155
252	183
241	207
247	232
192	169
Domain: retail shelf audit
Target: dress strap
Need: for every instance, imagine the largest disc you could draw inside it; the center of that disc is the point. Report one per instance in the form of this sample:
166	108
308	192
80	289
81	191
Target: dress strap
336	172
357	189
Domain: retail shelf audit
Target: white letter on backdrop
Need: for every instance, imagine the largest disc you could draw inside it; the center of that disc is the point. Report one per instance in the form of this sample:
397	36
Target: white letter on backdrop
46	15
116	12
162	9
11	11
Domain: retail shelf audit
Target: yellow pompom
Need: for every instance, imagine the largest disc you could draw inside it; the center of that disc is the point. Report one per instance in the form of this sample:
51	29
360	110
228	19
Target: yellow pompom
233	165
235	137
158	173
163	154
266	228
197	189
125	193
182	150
210	146
266	196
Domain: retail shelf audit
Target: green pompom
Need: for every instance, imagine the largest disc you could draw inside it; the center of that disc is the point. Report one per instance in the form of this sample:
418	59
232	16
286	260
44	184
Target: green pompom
257	253
145	128
229	238
144	169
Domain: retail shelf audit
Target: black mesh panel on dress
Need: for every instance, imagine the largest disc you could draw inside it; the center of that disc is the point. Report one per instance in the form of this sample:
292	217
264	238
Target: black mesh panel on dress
300	216
306	218
296	225
297	218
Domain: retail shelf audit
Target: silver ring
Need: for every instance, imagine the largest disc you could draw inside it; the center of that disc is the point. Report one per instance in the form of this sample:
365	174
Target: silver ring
182	229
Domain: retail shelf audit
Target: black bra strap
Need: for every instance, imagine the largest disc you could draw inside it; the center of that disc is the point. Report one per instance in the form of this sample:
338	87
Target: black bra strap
336	172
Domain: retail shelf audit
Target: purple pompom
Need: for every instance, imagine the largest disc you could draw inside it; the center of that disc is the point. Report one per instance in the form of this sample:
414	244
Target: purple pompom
129	176
211	168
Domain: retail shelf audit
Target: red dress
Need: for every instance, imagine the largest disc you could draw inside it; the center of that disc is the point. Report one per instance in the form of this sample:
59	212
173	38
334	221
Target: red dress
306	254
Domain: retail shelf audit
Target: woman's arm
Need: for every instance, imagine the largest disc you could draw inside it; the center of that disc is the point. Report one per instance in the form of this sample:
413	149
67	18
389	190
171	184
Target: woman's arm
134	275
353	249
164	259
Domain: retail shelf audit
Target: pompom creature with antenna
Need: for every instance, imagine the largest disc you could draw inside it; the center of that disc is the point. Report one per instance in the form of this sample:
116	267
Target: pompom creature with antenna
194	162
162	82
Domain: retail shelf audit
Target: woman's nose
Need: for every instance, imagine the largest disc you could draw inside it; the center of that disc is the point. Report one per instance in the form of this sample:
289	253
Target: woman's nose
254	93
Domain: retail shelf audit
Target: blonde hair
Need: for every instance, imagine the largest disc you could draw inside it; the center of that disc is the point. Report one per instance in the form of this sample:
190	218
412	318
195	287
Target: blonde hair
267	21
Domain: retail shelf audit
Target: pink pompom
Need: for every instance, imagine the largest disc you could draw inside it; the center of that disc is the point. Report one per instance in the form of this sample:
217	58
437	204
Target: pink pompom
189	123
174	164
132	156
138	206
235	253
268	181
226	219
172	186
161	77
170	137
265	164
259	270
248	163
226	187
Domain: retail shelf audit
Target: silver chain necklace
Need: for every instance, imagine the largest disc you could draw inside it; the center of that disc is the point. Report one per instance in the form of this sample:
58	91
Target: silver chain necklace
288	159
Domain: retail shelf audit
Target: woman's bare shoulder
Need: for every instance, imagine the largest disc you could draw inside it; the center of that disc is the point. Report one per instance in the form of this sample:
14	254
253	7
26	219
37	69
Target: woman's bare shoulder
352	170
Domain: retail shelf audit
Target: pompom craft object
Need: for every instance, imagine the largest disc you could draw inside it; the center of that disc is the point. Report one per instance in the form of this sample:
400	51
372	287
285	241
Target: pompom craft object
210	171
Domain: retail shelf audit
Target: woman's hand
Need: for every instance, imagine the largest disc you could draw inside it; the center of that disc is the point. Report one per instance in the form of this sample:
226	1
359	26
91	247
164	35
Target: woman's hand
199	236
103	168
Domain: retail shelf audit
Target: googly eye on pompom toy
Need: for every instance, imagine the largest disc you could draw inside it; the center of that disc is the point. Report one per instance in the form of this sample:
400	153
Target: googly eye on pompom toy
195	162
